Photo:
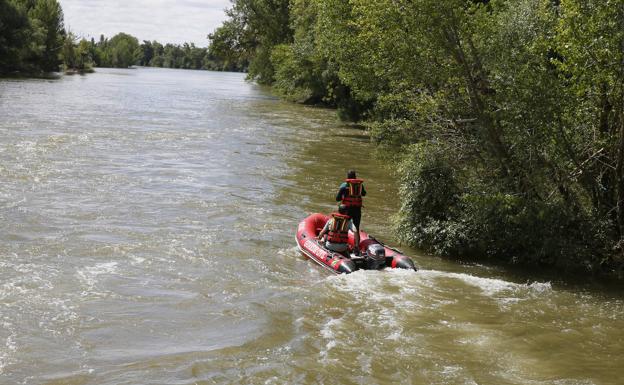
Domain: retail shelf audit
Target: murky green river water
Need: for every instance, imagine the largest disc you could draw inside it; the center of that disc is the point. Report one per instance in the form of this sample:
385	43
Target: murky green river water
147	222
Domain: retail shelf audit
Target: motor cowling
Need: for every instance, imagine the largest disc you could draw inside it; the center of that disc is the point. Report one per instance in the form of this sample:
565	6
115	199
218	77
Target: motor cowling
375	257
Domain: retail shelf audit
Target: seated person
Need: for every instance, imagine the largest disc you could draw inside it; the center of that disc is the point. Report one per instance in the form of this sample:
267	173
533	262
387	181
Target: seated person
337	230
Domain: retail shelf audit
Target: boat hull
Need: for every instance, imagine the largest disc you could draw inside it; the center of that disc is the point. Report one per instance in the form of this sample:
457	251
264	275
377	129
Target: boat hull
311	226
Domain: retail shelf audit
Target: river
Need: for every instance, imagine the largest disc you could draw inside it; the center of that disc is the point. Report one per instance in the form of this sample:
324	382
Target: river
147	222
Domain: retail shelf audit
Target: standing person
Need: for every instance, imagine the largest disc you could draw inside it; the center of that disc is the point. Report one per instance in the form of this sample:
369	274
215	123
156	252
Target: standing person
350	194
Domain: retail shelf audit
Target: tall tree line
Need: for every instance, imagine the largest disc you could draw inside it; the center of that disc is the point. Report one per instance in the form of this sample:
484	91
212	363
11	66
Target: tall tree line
505	118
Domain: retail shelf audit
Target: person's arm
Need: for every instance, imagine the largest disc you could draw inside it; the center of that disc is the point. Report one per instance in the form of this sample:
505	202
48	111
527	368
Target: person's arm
341	192
363	190
324	231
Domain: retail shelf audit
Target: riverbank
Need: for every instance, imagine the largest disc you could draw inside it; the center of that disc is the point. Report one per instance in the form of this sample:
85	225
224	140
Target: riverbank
30	75
76	71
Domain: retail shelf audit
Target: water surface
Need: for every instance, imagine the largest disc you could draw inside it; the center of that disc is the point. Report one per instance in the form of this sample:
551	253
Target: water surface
147	222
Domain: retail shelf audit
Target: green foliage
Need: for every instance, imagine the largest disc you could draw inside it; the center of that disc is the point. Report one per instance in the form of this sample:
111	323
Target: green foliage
590	42
289	79
77	57
279	42
14	30
147	53
247	38
517	114
31	36
47	16
182	56
123	50
229	46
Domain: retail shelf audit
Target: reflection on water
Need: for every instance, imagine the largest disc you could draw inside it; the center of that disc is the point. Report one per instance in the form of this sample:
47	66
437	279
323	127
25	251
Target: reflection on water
147	222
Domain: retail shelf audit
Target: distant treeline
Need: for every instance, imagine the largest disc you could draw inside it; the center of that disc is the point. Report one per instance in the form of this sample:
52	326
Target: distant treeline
33	40
505	118
123	50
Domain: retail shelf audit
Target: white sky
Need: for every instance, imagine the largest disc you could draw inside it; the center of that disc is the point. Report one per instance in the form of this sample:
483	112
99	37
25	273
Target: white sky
167	21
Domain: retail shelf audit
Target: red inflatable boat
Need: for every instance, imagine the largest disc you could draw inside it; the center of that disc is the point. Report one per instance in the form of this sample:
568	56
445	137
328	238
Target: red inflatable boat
374	255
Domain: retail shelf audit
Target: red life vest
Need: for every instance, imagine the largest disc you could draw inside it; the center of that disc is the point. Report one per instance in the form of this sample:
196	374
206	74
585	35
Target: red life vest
353	196
339	228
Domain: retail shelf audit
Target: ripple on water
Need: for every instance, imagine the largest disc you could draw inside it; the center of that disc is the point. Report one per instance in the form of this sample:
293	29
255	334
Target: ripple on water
404	315
89	276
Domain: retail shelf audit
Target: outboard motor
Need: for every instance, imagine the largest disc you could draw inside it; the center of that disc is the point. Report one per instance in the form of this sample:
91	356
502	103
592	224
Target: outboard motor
375	256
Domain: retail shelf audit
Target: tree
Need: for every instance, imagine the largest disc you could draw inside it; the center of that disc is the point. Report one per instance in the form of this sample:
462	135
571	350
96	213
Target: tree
14	30
123	50
157	59
69	52
229	47
590	43
147	53
77	56
31	35
47	15
253	29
